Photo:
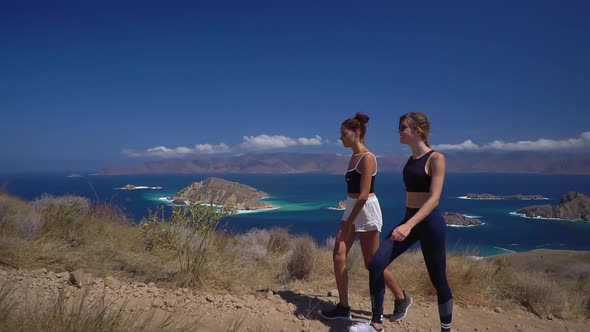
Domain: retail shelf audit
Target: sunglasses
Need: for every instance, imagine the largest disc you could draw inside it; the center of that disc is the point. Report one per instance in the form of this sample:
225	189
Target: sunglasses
403	127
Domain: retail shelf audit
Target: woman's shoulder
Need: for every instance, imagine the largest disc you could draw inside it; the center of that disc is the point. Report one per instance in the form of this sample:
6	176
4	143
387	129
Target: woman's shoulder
367	159
436	156
369	154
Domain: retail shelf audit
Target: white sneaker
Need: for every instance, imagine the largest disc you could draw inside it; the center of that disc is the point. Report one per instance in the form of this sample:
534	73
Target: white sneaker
363	327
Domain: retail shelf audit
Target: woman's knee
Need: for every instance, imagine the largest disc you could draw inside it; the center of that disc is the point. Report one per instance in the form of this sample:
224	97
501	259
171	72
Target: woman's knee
442	287
339	255
376	264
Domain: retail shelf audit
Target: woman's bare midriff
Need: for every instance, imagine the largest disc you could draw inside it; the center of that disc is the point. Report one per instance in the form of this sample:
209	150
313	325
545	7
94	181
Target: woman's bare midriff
415	200
356	196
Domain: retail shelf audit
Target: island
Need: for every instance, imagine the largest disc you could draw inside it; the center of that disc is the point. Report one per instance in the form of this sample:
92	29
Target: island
494	197
134	187
573	206
459	220
339	207
218	191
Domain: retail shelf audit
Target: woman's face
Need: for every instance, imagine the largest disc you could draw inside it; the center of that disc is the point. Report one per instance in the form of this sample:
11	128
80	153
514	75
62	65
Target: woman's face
408	134
347	136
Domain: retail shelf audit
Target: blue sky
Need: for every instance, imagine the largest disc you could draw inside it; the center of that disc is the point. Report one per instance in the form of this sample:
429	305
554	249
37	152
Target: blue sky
108	83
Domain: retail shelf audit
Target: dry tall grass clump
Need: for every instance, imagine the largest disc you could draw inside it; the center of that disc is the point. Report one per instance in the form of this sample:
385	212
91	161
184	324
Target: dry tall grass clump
535	292
27	224
10	207
251	246
62	217
553	282
300	262
278	241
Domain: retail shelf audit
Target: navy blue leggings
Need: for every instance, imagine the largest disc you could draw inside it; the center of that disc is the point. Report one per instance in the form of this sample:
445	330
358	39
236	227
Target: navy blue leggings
431	232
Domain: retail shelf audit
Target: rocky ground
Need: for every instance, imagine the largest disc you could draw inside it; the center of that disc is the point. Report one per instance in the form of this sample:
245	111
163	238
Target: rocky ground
259	310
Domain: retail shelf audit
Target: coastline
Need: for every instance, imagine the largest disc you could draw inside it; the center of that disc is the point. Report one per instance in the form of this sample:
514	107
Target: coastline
139	188
502	199
522	215
170	202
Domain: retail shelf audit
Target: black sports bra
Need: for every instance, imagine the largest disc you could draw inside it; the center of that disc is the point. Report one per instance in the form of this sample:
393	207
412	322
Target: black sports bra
353	178
415	177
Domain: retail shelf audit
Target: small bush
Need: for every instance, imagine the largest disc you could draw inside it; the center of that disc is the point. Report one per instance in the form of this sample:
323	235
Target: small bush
535	292
278	241
62	217
9	207
156	233
27	224
251	246
75	205
301	260
189	233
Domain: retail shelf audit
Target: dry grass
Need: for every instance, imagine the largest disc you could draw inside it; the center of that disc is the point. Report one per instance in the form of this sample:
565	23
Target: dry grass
79	314
67	234
300	261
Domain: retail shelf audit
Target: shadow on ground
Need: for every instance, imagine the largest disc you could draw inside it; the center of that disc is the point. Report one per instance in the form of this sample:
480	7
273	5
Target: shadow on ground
309	307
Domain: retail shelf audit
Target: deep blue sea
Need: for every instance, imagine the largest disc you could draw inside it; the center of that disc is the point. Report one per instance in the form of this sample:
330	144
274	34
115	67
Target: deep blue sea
304	200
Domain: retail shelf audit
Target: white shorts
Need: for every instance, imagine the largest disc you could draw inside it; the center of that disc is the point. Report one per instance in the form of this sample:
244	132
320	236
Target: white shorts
369	219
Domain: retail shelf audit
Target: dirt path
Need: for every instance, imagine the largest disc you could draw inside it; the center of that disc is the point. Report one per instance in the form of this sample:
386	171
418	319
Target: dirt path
263	310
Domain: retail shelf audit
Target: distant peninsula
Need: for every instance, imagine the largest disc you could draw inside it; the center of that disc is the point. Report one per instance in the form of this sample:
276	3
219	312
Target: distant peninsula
460	220
573	206
216	190
498	197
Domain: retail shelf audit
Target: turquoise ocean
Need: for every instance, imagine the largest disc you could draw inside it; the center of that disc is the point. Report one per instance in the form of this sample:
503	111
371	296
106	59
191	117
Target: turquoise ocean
304	201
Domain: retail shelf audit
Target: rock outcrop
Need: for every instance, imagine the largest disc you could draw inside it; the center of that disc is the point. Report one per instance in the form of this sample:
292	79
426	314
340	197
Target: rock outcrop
340	206
518	196
573	206
219	191
456	219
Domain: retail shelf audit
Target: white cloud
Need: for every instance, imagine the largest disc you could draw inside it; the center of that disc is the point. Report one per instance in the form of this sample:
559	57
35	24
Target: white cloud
317	140
266	142
164	152
467	145
208	148
541	144
263	142
250	143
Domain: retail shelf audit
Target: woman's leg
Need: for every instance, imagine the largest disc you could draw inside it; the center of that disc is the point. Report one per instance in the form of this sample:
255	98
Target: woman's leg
344	240
387	252
433	243
369	244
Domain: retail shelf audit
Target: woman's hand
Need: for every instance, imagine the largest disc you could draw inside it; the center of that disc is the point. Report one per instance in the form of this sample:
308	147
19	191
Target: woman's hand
401	232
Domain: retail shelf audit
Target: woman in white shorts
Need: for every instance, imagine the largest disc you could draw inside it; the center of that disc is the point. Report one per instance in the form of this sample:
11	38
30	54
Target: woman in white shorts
362	217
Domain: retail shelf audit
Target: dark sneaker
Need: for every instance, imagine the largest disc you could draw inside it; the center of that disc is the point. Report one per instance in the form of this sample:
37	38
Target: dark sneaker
401	307
338	312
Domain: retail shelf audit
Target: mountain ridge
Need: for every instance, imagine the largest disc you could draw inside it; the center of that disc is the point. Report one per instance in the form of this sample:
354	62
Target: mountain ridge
288	163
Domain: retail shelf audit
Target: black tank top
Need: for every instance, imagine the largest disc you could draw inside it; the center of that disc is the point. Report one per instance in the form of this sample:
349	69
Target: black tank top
415	177
353	178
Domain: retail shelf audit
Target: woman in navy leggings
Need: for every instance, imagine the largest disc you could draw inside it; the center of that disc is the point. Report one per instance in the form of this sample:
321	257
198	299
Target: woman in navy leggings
423	177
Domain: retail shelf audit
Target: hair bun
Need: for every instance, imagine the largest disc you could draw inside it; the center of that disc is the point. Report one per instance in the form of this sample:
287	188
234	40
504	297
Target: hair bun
361	117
